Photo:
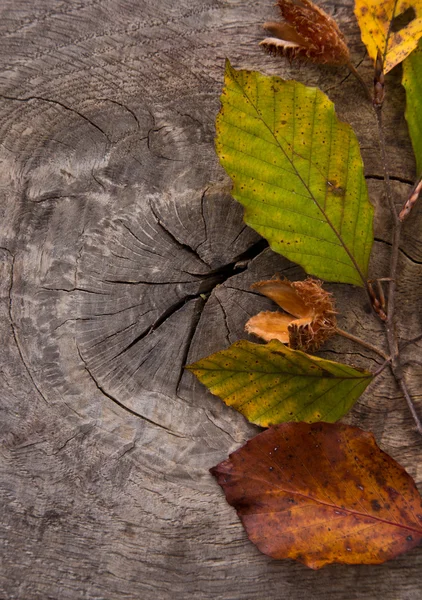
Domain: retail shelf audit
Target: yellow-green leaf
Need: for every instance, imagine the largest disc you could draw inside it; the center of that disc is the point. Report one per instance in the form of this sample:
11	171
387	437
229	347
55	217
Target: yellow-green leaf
412	81
271	384
298	172
391	26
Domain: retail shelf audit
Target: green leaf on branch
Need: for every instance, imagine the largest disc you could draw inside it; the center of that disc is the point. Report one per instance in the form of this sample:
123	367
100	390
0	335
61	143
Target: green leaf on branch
298	172
412	81
271	383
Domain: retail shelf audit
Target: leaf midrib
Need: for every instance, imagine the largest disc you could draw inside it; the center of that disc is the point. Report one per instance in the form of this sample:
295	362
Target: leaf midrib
329	376
336	507
328	221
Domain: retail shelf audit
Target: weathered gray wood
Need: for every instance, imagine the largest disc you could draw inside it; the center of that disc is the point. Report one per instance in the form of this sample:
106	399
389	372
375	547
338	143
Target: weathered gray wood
122	257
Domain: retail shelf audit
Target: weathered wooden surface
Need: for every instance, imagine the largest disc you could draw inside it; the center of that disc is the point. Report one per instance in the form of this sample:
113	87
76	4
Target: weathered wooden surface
122	257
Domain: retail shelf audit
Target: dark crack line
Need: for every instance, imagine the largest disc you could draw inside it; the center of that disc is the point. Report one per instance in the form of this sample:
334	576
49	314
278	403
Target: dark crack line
199	309
167	314
215	424
75	289
112	335
225	317
97	181
340	353
143	247
129	110
120	404
160	156
340	83
58	103
14	332
210	282
174	239
203	195
392	178
412	260
143	282
83	433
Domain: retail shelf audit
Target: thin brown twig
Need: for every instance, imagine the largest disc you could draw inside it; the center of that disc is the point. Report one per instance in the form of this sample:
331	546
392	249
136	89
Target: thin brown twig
390	322
409	342
383	149
367	345
381	368
410	404
411	201
360	79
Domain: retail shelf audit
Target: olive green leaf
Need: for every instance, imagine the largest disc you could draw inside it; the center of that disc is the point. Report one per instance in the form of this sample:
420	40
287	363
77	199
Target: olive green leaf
298	172
412	81
270	383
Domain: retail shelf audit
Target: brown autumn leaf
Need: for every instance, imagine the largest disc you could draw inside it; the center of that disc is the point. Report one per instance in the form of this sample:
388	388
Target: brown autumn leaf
322	493
311	319
308	32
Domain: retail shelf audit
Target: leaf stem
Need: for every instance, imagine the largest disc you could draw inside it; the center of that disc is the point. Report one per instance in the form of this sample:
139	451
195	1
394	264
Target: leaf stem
360	79
381	368
367	345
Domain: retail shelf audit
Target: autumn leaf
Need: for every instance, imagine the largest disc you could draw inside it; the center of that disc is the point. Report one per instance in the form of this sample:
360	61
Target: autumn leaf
412	81
308	32
322	493
313	319
391	26
298	172
270	383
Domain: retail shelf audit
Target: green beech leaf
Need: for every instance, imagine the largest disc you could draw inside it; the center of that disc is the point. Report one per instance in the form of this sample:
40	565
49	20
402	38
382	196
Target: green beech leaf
298	172
412	81
270	384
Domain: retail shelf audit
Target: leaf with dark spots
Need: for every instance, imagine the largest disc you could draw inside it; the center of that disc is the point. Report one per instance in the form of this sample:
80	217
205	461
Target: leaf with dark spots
298	172
310	493
271	383
390	27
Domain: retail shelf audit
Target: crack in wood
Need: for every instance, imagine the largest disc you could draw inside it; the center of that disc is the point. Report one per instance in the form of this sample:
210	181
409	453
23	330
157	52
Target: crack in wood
174	239
58	103
120	404
199	308
392	178
14	331
412	260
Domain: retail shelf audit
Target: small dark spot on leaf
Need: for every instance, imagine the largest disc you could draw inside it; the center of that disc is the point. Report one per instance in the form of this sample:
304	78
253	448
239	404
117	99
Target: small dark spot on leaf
375	505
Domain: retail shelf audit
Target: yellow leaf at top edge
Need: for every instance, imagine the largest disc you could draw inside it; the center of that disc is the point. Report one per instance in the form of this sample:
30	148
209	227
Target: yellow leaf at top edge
395	41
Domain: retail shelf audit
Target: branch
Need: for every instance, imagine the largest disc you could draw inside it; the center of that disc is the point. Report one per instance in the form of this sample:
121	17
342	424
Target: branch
411	405
412	341
367	345
411	201
390	321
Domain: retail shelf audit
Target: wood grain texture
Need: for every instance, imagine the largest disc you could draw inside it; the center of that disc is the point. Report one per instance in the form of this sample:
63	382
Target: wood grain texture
122	257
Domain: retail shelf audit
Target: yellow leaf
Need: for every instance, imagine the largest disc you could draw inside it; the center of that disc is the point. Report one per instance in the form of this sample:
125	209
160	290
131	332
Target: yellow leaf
391	26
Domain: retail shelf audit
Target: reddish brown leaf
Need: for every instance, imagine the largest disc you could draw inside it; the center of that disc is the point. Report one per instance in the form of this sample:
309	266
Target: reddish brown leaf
322	493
